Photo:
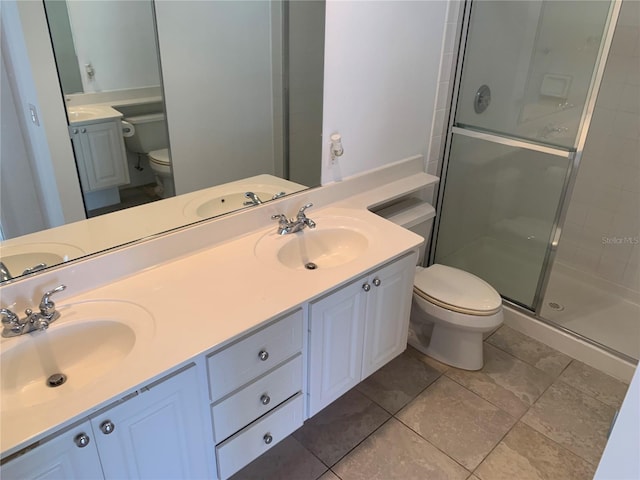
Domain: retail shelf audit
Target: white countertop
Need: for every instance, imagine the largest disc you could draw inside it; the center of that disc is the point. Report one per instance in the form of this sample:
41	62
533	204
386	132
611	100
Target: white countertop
200	302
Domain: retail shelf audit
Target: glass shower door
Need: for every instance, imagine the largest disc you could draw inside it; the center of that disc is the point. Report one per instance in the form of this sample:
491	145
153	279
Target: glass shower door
526	79
499	211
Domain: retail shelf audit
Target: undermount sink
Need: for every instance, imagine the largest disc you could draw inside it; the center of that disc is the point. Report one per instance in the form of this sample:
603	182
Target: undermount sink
90	340
334	242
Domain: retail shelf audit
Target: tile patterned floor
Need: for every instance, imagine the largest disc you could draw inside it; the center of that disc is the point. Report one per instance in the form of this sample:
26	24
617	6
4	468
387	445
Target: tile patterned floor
530	413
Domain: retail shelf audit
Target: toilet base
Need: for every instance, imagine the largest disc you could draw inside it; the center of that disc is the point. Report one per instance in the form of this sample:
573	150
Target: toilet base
455	347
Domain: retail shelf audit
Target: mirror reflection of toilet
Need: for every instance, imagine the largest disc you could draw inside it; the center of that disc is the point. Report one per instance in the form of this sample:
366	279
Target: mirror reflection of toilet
149	138
452	309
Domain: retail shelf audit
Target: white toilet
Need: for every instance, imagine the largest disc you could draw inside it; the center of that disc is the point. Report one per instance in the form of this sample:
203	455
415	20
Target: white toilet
149	137
460	308
452	309
160	163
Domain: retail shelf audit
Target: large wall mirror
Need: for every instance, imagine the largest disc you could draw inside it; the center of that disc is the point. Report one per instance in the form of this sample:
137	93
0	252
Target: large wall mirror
178	111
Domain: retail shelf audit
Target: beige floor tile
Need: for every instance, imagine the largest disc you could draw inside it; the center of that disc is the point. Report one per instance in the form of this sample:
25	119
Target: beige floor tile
595	383
525	454
457	421
334	431
529	350
432	362
329	475
505	381
398	382
573	419
286	460
396	452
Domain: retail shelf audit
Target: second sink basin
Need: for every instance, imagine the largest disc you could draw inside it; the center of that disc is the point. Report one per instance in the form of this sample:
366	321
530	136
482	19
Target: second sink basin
89	341
334	242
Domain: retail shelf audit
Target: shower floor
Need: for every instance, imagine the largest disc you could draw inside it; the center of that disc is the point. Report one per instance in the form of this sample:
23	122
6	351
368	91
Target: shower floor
592	309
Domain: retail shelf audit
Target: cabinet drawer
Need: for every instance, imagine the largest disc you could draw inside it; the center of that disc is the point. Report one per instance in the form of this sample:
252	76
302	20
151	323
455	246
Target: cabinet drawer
250	443
243	407
247	359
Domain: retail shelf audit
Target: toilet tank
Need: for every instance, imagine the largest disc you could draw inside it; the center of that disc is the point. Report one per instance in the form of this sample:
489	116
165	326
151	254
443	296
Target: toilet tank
150	133
413	214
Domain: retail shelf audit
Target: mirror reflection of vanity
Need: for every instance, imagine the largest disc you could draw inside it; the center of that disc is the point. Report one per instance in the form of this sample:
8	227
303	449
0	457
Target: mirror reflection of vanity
241	93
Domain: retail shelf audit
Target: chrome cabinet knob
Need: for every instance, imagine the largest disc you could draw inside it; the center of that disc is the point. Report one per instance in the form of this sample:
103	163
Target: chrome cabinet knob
82	440
376	282
265	399
107	427
84	130
366	287
75	131
267	438
263	355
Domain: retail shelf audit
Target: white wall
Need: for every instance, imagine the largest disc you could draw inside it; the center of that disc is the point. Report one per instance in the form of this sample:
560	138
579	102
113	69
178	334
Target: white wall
30	62
216	66
602	231
380	80
20	211
118	39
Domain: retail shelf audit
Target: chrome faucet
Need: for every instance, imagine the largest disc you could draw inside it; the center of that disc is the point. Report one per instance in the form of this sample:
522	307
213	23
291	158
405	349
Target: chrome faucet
293	225
253	199
14	325
256	200
5	274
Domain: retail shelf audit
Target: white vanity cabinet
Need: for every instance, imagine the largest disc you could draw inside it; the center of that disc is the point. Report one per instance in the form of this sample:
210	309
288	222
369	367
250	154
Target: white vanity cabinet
255	388
100	154
70	455
358	328
159	433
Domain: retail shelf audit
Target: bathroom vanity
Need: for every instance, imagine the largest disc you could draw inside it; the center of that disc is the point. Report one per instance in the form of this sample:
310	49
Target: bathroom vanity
234	345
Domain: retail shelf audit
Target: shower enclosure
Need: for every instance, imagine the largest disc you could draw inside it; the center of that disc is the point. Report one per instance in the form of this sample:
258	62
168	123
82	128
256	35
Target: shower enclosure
526	202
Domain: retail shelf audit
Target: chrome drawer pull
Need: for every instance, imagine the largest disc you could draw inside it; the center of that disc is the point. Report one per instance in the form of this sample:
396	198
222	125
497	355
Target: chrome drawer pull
263	355
265	399
82	440
267	438
107	427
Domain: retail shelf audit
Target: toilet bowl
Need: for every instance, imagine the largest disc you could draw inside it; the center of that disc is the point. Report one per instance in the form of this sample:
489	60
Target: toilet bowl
160	163
460	308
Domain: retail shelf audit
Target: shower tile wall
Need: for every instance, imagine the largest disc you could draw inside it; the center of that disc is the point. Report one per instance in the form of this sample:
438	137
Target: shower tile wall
445	86
602	231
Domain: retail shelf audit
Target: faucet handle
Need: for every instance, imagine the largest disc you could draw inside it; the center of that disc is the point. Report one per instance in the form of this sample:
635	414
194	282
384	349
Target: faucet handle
281	217
47	307
303	208
9	319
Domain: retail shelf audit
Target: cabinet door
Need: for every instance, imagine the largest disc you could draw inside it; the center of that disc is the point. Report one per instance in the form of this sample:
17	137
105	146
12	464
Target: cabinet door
388	308
161	433
335	345
104	156
58	458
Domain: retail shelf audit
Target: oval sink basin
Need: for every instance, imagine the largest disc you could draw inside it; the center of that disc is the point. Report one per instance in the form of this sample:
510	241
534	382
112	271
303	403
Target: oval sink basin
227	203
89	341
333	243
323	248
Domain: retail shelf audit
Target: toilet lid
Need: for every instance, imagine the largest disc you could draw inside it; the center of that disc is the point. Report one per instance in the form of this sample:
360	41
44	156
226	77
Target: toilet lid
457	290
160	157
